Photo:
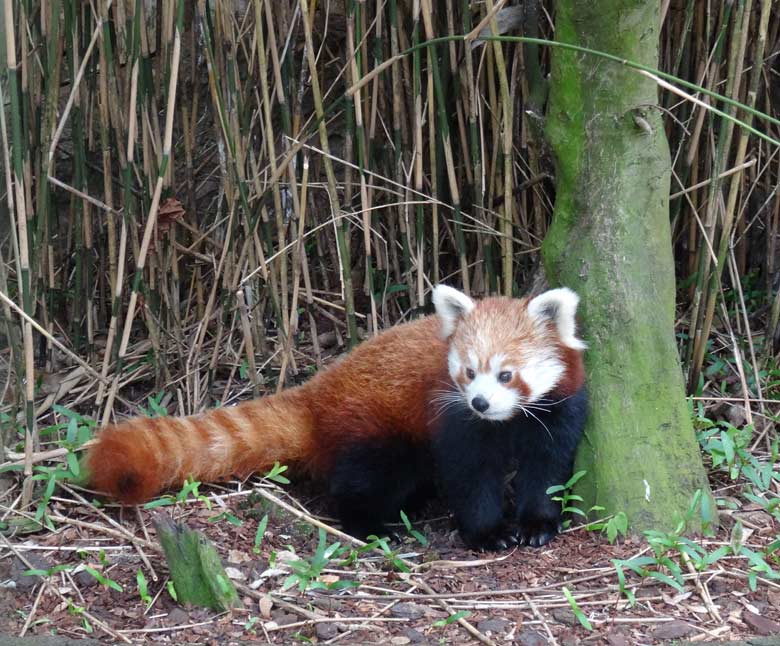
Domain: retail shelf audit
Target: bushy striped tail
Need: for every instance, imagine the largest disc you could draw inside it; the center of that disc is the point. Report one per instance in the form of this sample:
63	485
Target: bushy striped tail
137	459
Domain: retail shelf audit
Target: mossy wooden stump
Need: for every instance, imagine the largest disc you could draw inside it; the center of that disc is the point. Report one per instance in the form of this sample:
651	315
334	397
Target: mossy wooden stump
196	570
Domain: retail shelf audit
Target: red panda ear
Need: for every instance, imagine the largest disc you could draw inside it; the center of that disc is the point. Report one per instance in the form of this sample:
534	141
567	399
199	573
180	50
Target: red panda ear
559	306
451	305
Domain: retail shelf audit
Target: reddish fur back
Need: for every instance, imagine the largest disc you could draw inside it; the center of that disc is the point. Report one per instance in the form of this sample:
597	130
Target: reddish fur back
384	385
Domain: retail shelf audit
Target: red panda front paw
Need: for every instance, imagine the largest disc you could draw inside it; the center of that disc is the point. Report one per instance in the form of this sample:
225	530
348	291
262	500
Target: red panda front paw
538	532
497	541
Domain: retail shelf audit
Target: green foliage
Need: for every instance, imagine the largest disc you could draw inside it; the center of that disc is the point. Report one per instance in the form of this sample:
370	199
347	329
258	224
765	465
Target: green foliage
275	474
671	548
568	500
729	450
260	533
382	543
614	525
172	590
102	579
228	516
62	567
154	407
189	488
249	624
307	572
78	430
413	532
78	611
441	623
143	588
576	609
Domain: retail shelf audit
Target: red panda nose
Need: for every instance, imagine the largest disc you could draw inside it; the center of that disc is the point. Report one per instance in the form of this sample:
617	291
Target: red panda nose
480	404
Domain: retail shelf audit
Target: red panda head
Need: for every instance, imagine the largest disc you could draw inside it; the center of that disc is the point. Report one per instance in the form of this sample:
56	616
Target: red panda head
506	353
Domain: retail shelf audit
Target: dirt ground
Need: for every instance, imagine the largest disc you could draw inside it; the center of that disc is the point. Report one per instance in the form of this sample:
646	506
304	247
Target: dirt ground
515	597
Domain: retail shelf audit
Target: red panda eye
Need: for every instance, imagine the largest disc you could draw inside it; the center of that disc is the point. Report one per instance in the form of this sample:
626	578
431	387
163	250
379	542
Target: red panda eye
470	373
505	376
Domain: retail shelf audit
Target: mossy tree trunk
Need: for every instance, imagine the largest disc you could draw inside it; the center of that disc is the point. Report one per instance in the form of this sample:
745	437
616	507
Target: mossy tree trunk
610	241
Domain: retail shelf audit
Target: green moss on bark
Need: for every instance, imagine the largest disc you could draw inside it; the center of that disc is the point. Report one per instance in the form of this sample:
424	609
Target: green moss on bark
197	572
610	241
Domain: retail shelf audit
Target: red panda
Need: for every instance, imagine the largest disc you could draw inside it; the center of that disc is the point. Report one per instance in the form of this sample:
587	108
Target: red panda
519	404
382	424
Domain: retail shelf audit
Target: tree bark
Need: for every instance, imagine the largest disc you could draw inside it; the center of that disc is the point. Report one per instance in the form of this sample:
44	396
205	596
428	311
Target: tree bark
610	241
198	576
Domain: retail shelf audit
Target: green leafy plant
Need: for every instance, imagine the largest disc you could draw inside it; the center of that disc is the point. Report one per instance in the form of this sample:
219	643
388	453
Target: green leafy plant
78	430
562	494
413	532
249	624
62	567
441	623
143	588
228	516
154	407
189	488
576	609
729	449
102	579
275	474
614	525
382	543
306	573
78	611
260	533
669	548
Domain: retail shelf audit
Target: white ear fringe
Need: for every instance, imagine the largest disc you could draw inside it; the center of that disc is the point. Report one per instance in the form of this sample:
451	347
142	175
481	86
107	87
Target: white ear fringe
560	305
451	305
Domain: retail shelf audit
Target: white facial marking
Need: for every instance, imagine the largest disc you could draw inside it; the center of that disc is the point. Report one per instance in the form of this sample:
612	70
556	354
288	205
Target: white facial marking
496	362
501	399
454	363
541	375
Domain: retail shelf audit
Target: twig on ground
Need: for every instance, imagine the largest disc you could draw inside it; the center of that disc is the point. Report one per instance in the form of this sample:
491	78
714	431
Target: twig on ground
53	588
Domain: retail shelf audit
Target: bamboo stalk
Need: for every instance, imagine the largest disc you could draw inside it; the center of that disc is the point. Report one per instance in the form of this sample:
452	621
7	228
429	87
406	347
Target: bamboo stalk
506	153
342	234
17	190
153	210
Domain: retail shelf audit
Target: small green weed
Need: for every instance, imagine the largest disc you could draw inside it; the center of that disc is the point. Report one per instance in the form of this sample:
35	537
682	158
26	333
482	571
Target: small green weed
143	588
413	532
189	488
669	548
154	407
447	621
226	515
306	573
576	609
568	500
260	533
275	474
614	525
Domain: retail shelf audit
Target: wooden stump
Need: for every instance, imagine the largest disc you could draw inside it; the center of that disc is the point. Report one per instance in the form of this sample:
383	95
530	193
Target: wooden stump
196	570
